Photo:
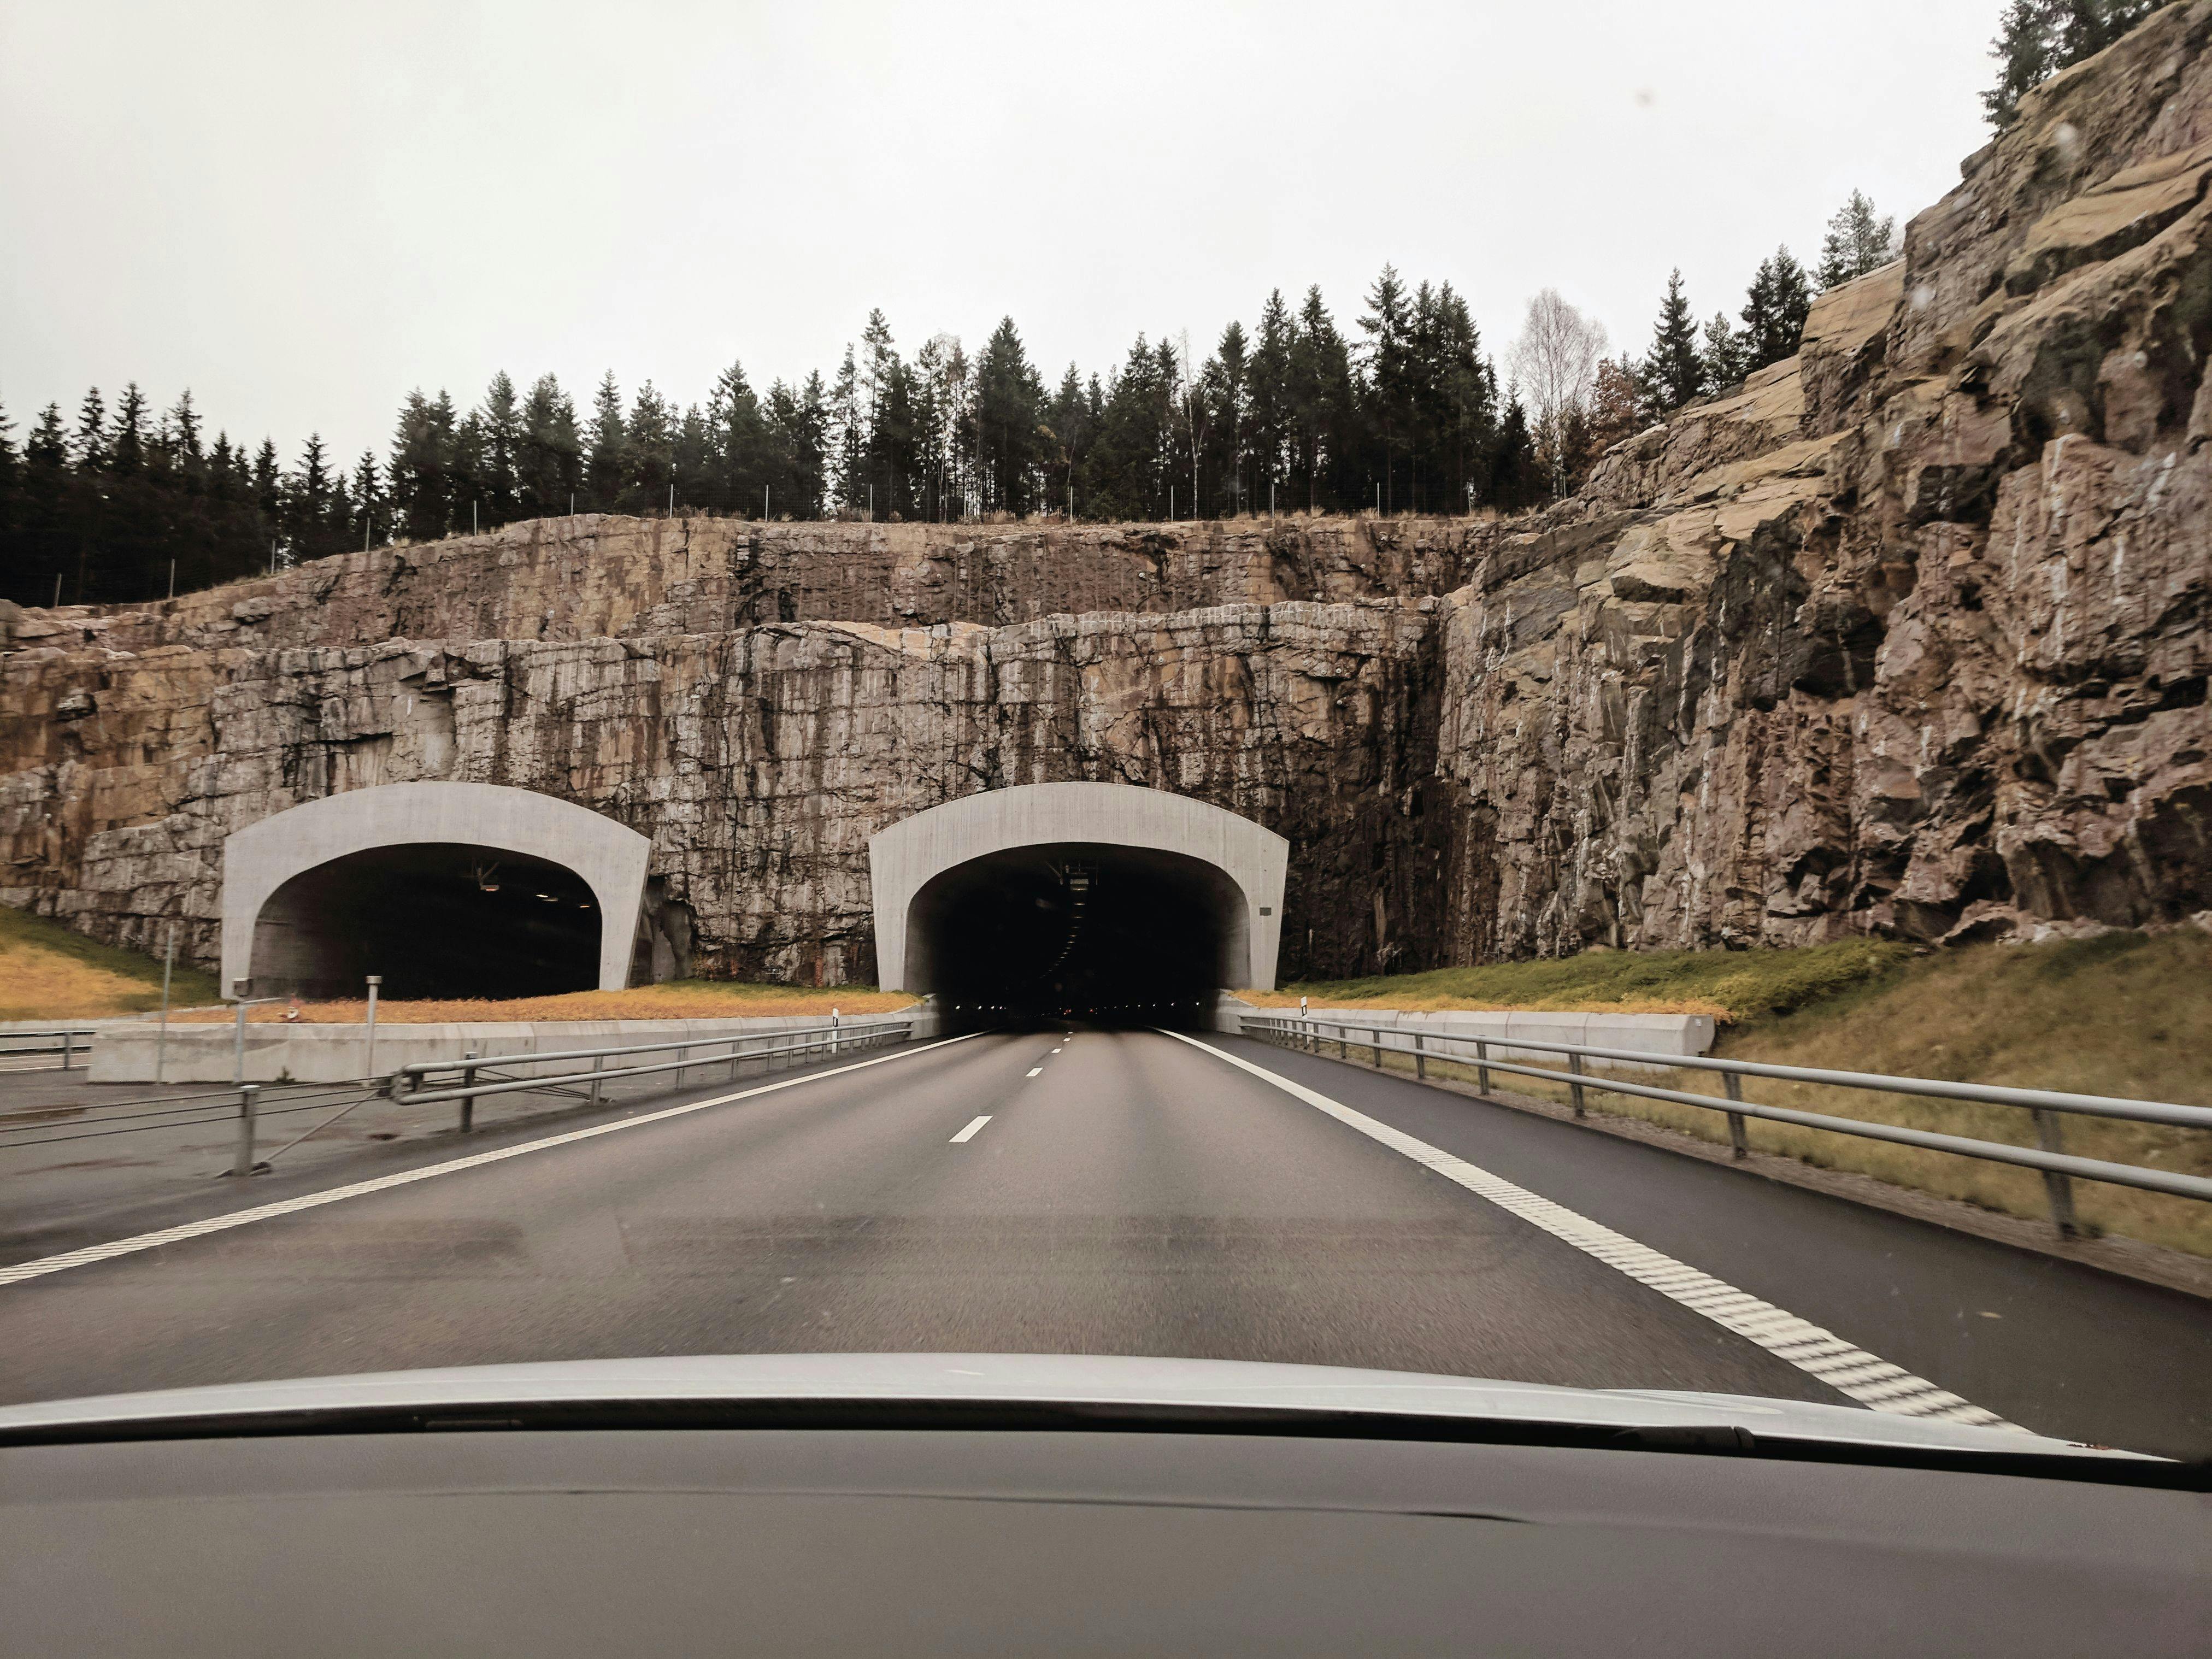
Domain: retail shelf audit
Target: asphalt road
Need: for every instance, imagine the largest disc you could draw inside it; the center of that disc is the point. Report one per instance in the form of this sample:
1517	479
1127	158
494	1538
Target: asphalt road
1109	1193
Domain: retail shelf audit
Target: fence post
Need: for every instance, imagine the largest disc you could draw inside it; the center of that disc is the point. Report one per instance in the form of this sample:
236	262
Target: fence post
598	1064
1737	1138
1420	1056
1575	1065
468	1096
2060	1188
241	1160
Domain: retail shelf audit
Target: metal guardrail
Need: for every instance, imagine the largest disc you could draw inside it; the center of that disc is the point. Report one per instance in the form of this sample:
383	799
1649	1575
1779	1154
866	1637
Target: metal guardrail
69	1042
2059	1168
732	1052
45	1126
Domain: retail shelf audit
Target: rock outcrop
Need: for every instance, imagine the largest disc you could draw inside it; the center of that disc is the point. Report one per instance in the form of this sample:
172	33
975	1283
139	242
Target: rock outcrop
1909	635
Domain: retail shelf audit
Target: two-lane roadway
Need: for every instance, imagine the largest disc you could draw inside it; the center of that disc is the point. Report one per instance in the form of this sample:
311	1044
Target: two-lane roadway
1108	1193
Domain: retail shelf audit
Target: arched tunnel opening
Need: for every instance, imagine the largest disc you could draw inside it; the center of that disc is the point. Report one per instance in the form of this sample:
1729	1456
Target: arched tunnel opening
1106	934
437	919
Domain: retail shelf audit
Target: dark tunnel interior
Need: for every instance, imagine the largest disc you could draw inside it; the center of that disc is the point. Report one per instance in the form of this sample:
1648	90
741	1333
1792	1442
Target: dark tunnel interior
1108	935
435	918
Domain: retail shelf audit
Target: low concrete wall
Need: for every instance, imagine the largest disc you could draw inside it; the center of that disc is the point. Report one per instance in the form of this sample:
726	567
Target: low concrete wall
338	1054
1656	1033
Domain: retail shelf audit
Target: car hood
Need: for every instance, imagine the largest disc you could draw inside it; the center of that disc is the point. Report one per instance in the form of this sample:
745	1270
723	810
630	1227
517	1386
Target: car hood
1080	1381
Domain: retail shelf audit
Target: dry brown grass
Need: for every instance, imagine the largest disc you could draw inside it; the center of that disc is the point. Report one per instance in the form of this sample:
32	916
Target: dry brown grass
46	972
680	1000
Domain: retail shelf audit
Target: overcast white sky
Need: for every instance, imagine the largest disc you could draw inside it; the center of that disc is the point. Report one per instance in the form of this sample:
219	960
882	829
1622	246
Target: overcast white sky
300	210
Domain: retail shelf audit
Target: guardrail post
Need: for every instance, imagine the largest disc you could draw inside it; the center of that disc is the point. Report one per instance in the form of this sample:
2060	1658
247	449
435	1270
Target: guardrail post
468	1099
833	1023
1737	1138
68	1050
732	1076
240	989
682	1054
1378	1035
1344	1043
241	1160
1575	1065
1481	1066
598	1064
2060	1188
1420	1056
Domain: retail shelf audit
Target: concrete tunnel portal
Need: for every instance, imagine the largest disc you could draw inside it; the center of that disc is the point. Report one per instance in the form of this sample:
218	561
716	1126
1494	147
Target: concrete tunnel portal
444	890
1103	902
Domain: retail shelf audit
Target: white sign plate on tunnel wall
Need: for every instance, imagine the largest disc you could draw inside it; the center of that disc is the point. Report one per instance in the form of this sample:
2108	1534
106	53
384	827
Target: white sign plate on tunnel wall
609	858
906	857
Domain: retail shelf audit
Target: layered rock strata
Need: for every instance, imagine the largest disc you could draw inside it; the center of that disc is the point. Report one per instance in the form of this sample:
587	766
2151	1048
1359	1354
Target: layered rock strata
1908	635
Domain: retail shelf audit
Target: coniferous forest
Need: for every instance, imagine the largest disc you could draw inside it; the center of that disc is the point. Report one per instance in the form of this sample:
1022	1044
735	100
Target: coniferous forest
1402	412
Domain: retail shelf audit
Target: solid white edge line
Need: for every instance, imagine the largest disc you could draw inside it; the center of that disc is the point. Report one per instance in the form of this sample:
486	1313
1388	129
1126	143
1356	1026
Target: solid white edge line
969	1134
1873	1382
92	1253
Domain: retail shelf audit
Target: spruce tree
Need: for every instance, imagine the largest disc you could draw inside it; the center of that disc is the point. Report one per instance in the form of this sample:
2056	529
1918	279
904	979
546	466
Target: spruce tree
606	467
1323	411
2036	38
1009	408
1775	309
1722	355
92	433
499	467
550	468
1672	373
1858	242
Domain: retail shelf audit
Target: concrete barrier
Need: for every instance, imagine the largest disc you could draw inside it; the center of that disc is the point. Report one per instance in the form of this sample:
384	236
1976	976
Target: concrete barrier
338	1054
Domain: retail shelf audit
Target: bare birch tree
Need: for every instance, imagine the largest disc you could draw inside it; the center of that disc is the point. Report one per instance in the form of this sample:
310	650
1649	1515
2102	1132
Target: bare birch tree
1555	364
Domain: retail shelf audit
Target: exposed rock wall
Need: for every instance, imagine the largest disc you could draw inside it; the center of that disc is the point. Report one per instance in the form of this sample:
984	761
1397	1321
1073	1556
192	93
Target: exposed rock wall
1908	635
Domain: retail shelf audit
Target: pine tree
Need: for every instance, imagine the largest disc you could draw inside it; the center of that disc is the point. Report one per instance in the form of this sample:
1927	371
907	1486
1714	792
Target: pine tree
1858	242
1672	373
1775	309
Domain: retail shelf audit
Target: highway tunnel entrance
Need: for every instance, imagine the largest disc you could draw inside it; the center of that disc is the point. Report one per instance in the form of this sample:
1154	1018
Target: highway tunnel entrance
1106	934
435	920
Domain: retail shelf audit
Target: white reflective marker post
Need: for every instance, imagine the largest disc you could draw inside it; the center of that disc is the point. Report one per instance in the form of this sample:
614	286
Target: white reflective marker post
375	984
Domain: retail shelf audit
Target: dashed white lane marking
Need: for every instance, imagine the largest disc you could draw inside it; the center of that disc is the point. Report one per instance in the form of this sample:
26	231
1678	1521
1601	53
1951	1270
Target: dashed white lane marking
969	1134
1056	1051
92	1253
1036	1071
1871	1381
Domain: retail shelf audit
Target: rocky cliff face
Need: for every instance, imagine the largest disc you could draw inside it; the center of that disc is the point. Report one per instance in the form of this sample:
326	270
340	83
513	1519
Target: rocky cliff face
1909	636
